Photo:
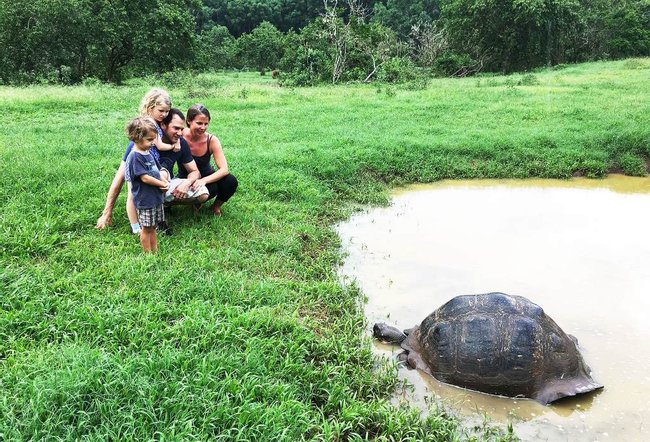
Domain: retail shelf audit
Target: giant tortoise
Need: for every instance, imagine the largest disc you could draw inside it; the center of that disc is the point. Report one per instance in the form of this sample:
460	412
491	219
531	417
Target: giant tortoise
495	343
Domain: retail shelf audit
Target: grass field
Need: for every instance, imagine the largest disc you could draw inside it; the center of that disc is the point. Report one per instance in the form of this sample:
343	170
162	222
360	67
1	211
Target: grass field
239	329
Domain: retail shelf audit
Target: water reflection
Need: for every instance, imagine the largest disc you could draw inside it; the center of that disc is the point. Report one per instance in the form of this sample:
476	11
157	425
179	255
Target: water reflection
578	248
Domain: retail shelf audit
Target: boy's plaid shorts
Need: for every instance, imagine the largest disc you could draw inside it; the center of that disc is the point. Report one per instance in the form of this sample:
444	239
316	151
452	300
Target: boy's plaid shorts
151	217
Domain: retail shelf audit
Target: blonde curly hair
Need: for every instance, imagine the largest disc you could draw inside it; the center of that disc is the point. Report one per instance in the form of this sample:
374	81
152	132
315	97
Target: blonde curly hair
153	98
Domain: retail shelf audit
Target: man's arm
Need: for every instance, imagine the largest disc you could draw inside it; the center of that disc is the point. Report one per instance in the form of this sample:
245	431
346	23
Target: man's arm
192	175
113	192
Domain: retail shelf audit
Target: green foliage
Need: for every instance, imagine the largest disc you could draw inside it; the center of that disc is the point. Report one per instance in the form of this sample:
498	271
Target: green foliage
509	36
451	64
402	15
262	48
628	29
217	49
168	39
398	70
529	80
307	58
44	40
338	49
64	41
516	36
242	16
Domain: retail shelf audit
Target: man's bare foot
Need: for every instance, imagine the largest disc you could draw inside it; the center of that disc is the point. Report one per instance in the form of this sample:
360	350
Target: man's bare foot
216	210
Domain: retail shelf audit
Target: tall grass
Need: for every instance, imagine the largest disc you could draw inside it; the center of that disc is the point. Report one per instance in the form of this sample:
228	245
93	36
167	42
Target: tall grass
239	329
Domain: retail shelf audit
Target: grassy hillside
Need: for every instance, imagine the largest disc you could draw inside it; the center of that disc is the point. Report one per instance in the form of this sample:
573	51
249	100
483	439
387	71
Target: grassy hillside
238	329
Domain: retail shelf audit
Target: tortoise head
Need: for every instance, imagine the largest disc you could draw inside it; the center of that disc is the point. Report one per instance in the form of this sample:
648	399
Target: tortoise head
387	333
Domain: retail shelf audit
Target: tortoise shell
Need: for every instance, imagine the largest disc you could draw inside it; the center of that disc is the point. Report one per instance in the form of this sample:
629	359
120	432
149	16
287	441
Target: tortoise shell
499	344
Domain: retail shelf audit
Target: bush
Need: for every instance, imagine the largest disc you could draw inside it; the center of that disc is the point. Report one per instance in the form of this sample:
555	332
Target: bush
628	29
91	82
398	70
306	60
529	80
216	49
262	48
452	64
308	67
176	79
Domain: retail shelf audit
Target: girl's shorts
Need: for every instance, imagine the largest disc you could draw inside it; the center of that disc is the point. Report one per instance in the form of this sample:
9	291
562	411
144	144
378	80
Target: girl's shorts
151	217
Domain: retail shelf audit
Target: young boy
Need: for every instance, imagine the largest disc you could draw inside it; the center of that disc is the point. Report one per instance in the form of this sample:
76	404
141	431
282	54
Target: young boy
148	188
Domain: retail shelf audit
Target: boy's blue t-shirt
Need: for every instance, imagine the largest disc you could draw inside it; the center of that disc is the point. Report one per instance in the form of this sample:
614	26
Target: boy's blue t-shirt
154	152
144	195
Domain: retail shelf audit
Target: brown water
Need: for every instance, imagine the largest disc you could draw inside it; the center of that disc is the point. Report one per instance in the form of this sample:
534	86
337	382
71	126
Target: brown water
579	248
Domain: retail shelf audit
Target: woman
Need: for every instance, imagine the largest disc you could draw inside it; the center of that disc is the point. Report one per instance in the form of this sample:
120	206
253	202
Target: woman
220	183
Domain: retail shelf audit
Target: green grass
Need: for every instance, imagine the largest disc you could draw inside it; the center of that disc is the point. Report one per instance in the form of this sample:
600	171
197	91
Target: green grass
239	329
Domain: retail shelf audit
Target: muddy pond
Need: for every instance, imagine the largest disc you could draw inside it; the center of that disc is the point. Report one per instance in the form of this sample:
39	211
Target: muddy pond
578	248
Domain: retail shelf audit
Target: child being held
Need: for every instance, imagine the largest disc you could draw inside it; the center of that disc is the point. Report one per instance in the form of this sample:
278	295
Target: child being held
156	104
147	186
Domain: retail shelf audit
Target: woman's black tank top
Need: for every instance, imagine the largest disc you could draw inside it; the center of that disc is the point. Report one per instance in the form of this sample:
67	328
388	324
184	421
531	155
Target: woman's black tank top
203	161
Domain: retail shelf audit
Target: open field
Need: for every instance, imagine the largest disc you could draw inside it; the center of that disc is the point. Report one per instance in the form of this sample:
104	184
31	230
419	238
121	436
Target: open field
239	329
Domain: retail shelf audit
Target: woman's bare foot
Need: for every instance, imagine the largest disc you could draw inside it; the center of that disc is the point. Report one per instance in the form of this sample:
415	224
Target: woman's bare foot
216	208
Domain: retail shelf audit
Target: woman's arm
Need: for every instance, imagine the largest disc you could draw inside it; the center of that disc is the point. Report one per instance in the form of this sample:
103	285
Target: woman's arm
219	160
113	192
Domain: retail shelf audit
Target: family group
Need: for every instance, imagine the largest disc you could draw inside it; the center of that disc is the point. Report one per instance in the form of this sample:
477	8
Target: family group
159	140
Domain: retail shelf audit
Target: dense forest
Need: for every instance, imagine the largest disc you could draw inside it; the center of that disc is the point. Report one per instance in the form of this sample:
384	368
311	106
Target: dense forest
311	41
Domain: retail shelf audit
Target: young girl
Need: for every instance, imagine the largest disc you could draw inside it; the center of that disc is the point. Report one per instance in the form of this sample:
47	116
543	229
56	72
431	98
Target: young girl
220	183
147	186
156	103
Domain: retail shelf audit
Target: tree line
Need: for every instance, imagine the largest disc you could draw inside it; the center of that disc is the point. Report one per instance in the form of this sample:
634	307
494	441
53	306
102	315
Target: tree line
311	41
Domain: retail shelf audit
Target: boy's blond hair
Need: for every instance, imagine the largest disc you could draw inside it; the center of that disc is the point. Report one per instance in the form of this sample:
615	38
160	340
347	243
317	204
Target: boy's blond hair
152	98
140	127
